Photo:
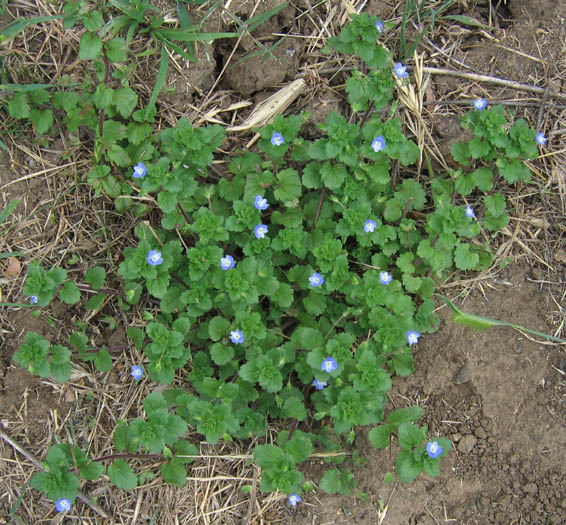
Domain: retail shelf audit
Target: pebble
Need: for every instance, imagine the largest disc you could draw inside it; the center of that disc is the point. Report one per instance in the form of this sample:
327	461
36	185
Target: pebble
467	443
480	433
463	376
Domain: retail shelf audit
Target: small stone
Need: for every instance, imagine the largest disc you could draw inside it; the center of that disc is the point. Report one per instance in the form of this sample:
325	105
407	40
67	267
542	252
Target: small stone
480	433
463	376
456	437
467	443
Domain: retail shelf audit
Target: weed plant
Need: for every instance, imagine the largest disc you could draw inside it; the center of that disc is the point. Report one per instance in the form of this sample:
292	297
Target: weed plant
292	288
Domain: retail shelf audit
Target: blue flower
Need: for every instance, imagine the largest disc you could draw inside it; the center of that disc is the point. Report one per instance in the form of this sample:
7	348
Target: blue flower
470	212
378	144
329	365
261	202
413	337
316	279
154	258
277	139
294	499
319	385
63	504
541	139
139	171
433	449
480	104
227	262
401	70
369	226
385	278
137	372
33	299
237	337
260	230
379	26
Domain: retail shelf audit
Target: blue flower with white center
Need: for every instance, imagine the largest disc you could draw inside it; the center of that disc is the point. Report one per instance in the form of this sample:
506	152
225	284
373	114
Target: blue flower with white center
433	449
154	258
261	203
139	171
379	26
480	104
329	365
227	262
277	139
401	70
294	499
237	337
413	337
260	230
33	299
316	279
385	277
63	504
369	226
470	212
541	139
137	372
319	385
378	144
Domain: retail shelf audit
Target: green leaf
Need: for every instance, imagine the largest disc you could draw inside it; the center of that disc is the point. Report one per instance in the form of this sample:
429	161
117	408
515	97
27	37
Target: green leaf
90	46
125	100
122	475
42	120
92	20
380	436
310	338
289	186
18	107
337	482
95	277
174	472
406	466
70	293
217	328
221	354
409	436
103	361
405	415
333	175
464	258
92	470
116	50
294	408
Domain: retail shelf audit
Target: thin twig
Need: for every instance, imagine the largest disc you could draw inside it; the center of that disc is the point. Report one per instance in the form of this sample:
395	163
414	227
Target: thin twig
83	497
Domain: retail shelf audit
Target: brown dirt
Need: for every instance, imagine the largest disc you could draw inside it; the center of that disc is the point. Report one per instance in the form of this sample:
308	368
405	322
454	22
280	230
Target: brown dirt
497	394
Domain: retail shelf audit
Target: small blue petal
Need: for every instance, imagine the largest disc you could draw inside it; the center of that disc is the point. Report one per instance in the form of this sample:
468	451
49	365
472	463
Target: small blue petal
480	104
433	449
227	262
237	337
33	299
541	139
329	365
385	278
369	226
379	26
261	203
401	70
63	504
137	372
378	144
139	171
316	279
319	385
413	337
294	499
277	139
470	212
154	258
260	230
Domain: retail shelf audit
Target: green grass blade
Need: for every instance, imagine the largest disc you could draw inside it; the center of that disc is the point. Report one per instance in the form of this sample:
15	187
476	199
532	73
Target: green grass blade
480	322
467	21
161	75
181	35
257	20
18	25
178	49
12	205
